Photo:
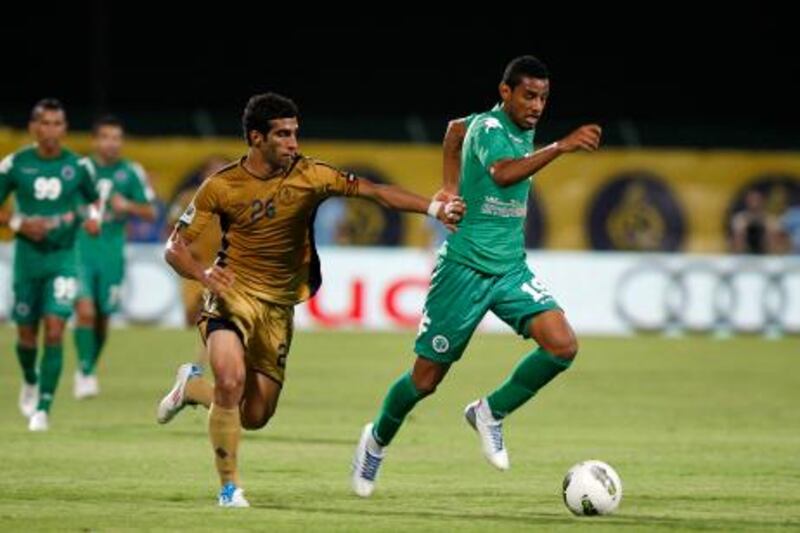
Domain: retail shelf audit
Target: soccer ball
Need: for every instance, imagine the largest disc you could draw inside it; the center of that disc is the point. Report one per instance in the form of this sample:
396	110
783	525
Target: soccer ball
591	488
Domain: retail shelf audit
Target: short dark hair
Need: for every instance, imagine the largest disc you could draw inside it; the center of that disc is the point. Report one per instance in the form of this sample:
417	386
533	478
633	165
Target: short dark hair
524	66
261	108
46	104
106	120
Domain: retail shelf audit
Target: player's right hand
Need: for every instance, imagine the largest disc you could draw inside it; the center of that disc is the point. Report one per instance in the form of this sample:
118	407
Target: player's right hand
218	279
584	138
34	228
451	212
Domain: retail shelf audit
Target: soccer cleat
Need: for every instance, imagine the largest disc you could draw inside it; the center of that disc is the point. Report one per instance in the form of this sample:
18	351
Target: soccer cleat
85	386
232	496
479	416
366	463
38	421
175	400
28	399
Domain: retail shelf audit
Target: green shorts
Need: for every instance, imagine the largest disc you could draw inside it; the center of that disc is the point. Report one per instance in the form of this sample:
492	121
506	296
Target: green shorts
102	284
45	283
459	298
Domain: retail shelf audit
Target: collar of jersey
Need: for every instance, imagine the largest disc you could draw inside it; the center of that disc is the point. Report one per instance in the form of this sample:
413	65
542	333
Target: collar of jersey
515	130
281	176
97	164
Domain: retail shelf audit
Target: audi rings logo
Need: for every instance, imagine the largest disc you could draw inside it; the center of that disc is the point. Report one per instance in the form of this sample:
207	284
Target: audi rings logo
701	296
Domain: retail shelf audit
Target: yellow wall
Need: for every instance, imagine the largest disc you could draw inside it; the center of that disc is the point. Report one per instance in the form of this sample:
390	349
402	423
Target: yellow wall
704	182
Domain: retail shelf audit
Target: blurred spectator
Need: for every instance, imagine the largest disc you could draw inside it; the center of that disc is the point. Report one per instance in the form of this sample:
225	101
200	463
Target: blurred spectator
790	222
327	225
141	230
754	229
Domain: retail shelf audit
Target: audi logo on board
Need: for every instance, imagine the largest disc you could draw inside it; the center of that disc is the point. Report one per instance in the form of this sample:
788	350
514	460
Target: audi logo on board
697	296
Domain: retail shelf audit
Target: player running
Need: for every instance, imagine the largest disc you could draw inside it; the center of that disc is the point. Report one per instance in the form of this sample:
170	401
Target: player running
482	268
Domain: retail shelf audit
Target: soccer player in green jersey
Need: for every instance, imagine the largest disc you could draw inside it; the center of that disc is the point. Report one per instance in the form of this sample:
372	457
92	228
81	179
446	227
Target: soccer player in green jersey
481	268
50	184
102	258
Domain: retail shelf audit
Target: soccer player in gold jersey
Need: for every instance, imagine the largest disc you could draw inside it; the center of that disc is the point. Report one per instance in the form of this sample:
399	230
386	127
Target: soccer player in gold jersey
267	263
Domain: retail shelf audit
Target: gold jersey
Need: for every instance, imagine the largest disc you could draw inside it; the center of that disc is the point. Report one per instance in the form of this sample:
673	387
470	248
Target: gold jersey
267	225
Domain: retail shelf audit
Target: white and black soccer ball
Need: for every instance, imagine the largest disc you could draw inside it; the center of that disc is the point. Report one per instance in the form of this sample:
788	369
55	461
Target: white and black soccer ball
592	488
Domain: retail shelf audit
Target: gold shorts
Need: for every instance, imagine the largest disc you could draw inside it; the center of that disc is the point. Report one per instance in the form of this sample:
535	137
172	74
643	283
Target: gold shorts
265	329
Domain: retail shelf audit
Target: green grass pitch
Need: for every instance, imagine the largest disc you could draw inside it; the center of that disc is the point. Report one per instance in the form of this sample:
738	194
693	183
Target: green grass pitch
704	433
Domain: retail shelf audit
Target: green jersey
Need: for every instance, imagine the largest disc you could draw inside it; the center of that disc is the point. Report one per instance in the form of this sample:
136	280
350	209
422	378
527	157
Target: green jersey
127	179
491	236
50	188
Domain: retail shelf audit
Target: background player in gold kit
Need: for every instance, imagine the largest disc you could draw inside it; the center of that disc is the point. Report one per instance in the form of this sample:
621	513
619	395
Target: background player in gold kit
267	263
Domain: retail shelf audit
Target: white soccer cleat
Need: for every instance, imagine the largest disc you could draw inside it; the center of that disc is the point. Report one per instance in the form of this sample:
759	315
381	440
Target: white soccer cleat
175	400
85	386
28	399
366	463
232	496
38	421
479	416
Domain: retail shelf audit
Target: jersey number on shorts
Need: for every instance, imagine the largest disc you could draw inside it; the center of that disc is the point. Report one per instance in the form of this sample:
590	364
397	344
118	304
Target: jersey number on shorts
536	289
65	288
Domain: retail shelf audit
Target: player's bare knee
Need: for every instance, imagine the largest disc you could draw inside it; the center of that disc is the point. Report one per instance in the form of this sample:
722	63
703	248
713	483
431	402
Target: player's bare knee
27	338
54	338
427	388
256	422
256	415
427	375
229	384
54	334
426	384
566	348
85	312
85	318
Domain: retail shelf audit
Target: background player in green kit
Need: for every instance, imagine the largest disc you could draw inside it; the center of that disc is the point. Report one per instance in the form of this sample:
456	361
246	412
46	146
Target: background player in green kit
50	184
102	258
481	267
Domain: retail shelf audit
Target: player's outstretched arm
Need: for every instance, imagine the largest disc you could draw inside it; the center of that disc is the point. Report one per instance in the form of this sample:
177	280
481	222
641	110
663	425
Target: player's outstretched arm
123	206
510	171
394	197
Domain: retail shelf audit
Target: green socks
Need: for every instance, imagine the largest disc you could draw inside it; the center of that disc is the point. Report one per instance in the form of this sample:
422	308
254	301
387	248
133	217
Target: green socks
27	360
86	345
399	401
535	371
49	372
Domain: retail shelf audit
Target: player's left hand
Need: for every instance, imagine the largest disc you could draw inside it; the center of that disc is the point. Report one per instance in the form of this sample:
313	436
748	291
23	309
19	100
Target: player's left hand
92	227
451	212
